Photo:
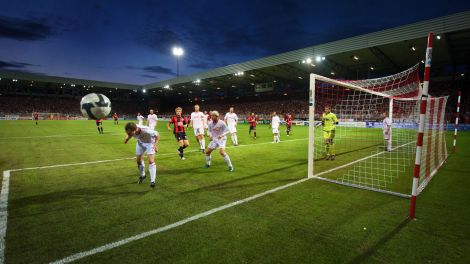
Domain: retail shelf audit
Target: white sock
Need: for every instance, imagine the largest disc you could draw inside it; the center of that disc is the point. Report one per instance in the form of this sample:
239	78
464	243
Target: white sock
208	160
227	159
278	138
233	138
236	139
153	171
274	140
203	143
141	167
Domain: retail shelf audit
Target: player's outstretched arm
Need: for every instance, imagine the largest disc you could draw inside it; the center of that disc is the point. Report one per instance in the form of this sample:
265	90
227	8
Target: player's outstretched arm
127	139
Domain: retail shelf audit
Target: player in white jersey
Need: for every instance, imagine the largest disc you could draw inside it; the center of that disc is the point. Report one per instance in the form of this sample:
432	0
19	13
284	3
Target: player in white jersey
387	131
275	123
147	141
231	120
197	123
140	119
218	131
152	120
207	118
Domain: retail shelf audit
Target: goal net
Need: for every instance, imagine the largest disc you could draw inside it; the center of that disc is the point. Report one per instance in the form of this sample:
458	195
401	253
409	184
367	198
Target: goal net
364	132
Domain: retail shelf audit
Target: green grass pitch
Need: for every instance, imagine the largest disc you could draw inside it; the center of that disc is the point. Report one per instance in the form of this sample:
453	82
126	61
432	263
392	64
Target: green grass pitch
57	212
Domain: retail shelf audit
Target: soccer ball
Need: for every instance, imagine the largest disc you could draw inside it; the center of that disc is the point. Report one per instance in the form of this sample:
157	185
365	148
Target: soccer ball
95	106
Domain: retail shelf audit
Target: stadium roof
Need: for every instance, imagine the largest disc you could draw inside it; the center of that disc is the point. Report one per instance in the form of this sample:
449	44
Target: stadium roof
383	52
65	80
387	51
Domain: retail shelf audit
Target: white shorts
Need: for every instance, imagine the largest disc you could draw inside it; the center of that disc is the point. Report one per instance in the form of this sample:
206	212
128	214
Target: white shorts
198	131
387	136
217	143
275	130
141	148
232	128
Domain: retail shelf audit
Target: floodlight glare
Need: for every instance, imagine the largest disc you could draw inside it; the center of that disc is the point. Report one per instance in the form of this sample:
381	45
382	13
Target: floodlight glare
178	51
308	60
318	59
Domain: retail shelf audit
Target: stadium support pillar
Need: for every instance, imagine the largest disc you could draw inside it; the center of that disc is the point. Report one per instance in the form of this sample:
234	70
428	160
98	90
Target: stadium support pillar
311	125
422	116
457	113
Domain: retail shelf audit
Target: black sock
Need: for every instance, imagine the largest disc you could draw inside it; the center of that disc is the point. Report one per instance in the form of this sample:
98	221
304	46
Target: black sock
181	150
101	130
255	134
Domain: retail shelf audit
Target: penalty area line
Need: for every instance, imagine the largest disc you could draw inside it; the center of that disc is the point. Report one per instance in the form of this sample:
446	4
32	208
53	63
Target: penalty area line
130	239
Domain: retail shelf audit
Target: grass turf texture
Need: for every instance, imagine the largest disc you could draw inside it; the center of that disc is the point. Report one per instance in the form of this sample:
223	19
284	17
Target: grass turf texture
57	212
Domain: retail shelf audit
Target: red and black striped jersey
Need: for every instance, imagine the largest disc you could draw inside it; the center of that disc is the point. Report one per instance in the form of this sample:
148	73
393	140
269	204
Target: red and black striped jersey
179	123
252	120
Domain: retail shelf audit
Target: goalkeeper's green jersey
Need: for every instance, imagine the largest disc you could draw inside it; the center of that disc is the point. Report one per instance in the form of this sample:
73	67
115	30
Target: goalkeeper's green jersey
329	121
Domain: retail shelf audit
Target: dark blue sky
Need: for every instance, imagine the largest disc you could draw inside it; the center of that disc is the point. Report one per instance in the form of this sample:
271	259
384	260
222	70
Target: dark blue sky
131	41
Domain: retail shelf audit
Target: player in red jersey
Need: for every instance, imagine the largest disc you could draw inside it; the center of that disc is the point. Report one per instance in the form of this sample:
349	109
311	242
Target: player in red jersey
179	124
116	119
288	120
36	117
99	125
252	119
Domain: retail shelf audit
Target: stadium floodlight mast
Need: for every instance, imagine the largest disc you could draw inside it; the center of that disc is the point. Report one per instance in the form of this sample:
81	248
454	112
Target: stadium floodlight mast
178	52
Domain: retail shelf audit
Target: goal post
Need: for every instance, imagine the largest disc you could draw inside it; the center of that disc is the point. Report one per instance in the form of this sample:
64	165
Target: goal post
364	149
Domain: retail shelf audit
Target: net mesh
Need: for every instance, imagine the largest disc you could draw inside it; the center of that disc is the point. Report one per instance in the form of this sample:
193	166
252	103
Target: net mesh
380	157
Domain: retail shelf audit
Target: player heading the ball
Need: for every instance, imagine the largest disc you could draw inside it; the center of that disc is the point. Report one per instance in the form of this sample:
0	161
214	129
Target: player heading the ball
147	142
218	131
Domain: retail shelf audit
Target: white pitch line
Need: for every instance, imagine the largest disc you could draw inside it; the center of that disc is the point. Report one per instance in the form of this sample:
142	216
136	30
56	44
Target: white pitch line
119	243
6	185
128	158
4	213
61	135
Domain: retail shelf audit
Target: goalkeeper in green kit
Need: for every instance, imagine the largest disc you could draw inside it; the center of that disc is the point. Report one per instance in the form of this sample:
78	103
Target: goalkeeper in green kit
329	122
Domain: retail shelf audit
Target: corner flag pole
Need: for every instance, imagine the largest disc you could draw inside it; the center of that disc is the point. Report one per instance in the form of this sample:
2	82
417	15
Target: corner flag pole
422	116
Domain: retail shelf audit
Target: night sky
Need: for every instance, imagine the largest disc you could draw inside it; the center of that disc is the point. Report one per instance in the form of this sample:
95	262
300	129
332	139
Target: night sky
131	41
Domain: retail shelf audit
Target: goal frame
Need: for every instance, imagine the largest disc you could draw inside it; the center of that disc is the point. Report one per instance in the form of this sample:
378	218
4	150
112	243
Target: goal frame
311	132
422	100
